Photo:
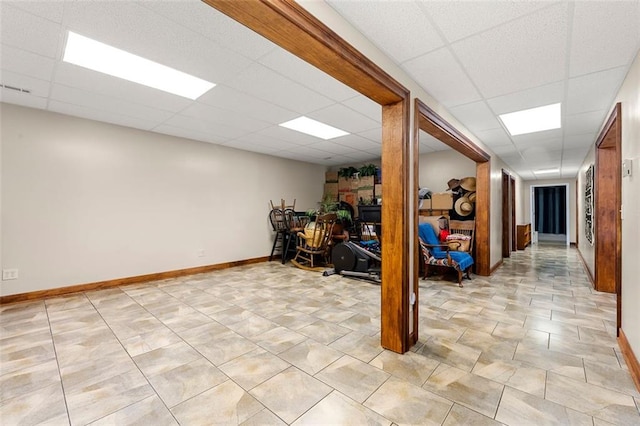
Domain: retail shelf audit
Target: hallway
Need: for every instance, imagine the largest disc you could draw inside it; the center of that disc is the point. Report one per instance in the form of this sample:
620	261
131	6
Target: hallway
272	344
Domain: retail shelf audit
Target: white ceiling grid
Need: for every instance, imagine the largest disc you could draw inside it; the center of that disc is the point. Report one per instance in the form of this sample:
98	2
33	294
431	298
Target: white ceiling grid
494	57
478	59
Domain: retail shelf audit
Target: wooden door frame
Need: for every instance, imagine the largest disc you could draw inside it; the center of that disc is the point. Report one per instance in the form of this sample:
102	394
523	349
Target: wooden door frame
506	215
429	121
291	27
608	200
512	183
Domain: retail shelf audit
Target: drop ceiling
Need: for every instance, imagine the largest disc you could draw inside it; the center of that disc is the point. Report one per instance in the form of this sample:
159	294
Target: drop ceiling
479	59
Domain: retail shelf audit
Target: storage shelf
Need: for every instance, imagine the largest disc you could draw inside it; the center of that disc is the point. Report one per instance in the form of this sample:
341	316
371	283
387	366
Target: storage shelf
523	236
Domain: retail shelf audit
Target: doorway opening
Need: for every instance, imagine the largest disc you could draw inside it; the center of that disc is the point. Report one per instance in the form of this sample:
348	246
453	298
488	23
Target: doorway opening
550	221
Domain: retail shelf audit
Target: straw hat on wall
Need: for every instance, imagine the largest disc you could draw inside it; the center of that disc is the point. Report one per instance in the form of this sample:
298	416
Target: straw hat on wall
463	206
468	183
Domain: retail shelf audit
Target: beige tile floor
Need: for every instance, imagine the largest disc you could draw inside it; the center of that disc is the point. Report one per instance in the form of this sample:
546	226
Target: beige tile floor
272	344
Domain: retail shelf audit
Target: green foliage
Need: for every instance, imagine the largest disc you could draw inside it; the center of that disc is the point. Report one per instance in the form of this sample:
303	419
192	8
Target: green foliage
347	172
368	170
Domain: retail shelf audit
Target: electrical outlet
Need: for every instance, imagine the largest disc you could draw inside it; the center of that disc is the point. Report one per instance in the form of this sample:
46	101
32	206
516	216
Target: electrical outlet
9	274
201	253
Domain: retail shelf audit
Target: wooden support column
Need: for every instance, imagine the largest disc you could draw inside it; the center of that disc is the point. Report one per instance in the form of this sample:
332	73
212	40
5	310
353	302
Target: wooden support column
290	26
395	230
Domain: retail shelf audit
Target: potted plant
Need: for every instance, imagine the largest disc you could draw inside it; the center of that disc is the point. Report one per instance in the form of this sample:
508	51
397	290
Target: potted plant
367	175
368	170
347	172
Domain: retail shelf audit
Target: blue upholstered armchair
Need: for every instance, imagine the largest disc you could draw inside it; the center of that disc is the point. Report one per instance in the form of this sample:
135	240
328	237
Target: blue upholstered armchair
436	254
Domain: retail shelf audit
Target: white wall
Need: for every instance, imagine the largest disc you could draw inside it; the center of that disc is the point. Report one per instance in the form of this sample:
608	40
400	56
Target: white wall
549	182
436	168
629	95
84	201
587	250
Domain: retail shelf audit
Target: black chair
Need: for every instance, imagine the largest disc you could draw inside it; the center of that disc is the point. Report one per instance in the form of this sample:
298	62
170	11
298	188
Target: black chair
280	223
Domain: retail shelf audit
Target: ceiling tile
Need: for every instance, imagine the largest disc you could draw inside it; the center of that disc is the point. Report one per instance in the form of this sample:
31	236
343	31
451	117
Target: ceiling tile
233	100
459	19
138	30
398	28
217	27
266	142
575	156
271	86
504	150
604	35
291	67
578	141
288	135
365	106
27	63
441	75
28	32
585	123
82	98
223	117
531	98
374	135
537	137
49	10
503	60
36	86
357	142
476	116
217	132
12	97
82	78
344	118
494	137
595	91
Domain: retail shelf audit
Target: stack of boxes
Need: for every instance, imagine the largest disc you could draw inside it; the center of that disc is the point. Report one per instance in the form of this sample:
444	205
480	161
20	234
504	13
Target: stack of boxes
331	186
352	190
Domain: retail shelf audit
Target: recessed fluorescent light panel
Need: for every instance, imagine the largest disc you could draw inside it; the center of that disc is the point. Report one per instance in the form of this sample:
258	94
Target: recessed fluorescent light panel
532	120
314	128
106	59
546	171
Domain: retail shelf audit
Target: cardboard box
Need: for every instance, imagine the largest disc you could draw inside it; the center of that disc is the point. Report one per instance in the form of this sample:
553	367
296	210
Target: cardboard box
332	189
442	201
425	204
366	182
331	177
344	184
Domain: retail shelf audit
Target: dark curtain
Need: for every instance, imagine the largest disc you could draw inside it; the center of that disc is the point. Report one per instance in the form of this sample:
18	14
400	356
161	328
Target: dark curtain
551	209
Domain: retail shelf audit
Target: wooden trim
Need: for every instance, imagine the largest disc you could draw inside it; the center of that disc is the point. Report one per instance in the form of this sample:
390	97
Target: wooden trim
497	265
608	194
395	229
291	27
630	358
506	229
483	218
415	149
601	142
586	267
512	198
432	123
43	294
